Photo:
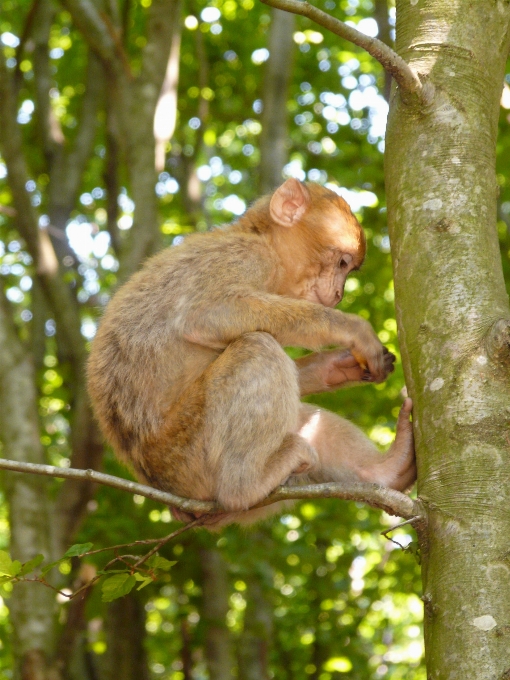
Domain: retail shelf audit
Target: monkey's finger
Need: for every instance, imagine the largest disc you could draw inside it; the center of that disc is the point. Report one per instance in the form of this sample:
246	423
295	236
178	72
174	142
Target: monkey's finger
389	362
345	360
361	360
376	367
388	356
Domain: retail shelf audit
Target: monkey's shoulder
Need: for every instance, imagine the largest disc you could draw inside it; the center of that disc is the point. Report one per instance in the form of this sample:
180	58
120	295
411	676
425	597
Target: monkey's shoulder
210	260
204	268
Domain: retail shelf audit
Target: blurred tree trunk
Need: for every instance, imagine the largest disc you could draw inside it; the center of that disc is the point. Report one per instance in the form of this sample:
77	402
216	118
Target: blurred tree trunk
455	335
132	105
273	139
255	641
165	114
186	658
219	652
32	608
125	634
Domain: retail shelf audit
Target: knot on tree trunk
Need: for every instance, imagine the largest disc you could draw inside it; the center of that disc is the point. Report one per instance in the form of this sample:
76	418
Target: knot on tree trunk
498	343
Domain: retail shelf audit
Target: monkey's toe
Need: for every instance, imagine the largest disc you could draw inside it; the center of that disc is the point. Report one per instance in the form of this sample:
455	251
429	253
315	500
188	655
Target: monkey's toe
407	406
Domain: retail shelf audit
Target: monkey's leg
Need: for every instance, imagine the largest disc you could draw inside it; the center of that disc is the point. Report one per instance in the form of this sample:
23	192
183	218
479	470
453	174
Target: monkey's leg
346	454
250	421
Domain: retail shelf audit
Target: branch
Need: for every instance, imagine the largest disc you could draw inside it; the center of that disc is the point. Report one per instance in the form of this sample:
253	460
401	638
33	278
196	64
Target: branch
95	30
406	78
381	497
393	502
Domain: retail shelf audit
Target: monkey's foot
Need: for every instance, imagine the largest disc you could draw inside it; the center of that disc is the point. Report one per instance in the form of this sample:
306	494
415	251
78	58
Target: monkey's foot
402	450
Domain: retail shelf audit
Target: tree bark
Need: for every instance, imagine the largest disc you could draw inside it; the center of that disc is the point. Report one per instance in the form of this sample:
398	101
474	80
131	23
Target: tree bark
441	193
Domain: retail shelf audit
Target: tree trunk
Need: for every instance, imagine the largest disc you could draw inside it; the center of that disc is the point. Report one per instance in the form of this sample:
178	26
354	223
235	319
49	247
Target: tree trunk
441	193
255	640
31	607
215	592
125	635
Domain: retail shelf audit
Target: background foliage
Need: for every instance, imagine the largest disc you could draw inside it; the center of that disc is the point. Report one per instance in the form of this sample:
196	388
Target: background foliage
319	592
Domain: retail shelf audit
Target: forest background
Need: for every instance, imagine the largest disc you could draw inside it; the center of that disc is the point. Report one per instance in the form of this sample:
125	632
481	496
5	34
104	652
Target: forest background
230	97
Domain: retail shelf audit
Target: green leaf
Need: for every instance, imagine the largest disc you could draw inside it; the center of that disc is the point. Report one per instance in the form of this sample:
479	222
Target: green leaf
413	549
78	549
8	567
48	567
117	586
15	567
32	564
158	562
145	580
5	563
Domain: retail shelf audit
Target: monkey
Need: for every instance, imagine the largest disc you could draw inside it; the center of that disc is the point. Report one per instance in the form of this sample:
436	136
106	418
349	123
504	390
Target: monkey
189	378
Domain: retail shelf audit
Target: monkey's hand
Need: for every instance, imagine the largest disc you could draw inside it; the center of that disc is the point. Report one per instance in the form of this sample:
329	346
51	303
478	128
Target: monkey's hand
329	371
367	349
389	366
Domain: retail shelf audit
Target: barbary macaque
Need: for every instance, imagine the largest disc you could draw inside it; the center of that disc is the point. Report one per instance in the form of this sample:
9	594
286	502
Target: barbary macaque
189	378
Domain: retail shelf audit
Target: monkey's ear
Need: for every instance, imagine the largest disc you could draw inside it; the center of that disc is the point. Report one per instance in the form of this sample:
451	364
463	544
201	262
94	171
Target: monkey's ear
289	202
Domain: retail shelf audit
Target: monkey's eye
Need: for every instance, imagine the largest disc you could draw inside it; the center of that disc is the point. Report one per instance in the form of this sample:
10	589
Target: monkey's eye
345	261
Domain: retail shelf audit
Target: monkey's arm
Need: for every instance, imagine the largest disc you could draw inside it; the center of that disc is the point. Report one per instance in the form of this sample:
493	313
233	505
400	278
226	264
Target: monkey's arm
291	322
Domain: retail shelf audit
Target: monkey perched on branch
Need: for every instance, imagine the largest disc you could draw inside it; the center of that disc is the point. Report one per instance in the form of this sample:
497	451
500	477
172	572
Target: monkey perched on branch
189	378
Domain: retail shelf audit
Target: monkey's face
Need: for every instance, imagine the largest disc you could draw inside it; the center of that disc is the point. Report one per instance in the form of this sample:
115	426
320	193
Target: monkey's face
343	250
318	239
327	286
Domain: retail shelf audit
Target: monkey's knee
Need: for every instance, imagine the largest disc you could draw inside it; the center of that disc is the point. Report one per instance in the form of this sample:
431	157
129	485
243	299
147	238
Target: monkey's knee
252	479
262	349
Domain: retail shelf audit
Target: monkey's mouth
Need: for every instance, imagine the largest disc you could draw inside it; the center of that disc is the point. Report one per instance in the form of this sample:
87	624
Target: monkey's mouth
315	296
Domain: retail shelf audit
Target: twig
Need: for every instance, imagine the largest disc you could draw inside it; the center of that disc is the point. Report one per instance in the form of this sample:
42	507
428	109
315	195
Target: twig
399	525
133	544
404	75
393	502
196	522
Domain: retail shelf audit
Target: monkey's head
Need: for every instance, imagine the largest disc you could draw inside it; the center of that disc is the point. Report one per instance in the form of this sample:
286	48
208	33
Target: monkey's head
318	239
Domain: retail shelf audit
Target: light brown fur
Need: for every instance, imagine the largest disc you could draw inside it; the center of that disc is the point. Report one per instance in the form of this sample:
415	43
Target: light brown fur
188	376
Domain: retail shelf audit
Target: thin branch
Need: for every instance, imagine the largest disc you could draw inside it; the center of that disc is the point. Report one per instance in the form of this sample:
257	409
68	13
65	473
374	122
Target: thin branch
148	541
199	521
165	497
382	17
393	502
407	79
398	526
27	30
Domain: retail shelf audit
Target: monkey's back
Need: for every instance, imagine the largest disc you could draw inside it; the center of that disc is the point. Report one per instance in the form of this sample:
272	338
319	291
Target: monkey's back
141	361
